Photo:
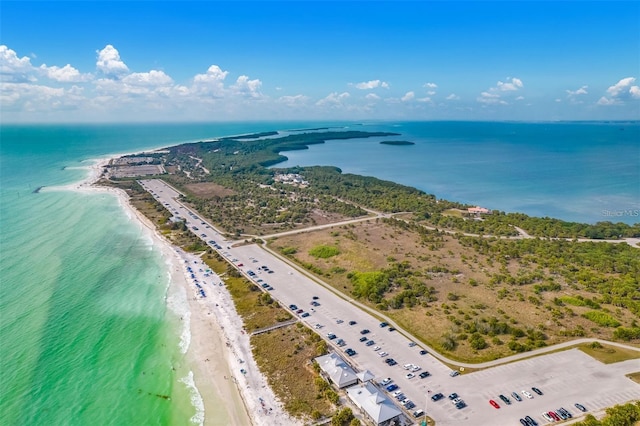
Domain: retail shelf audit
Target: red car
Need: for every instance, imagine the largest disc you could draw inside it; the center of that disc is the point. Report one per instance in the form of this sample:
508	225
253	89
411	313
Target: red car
554	416
495	404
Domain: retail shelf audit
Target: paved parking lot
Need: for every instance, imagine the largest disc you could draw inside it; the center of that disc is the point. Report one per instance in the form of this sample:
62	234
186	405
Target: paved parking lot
565	377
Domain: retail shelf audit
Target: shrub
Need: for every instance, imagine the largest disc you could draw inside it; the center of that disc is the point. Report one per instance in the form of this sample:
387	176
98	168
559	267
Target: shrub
601	318
324	252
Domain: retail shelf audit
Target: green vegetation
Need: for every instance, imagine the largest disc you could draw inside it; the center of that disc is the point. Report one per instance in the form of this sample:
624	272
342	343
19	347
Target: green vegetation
284	355
324	252
601	318
398	143
620	415
608	354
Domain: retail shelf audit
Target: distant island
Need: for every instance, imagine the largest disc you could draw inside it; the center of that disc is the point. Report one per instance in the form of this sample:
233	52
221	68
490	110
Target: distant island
397	143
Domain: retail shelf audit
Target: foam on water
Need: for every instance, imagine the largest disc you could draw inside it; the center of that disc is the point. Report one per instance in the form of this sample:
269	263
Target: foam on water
196	399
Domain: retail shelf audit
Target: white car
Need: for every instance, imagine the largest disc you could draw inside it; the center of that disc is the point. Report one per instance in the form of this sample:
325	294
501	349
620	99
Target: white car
397	393
408	366
383	353
527	394
410	376
547	417
377	348
415	368
386	381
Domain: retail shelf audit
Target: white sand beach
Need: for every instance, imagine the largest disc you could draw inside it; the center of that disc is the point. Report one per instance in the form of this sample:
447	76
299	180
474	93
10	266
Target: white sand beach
228	381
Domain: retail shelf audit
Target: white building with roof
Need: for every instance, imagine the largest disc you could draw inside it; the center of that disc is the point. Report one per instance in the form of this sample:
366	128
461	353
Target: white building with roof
374	404
337	370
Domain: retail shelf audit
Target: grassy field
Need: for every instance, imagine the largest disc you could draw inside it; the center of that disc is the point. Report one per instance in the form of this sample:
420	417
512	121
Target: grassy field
608	354
285	355
466	301
634	376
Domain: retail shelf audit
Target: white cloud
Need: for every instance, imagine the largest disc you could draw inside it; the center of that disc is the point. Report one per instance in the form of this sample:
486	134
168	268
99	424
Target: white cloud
606	102
430	85
581	91
621	87
452	97
66	74
246	87
408	96
425	99
151	78
490	98
558	100
372	97
372	84
293	101
13	68
519	98
210	83
493	96
623	90
509	86
334	99
109	62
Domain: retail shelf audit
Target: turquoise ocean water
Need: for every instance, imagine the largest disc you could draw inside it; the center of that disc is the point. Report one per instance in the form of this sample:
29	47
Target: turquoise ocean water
85	333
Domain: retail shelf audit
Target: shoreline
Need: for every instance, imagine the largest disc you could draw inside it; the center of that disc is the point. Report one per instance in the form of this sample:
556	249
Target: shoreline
214	346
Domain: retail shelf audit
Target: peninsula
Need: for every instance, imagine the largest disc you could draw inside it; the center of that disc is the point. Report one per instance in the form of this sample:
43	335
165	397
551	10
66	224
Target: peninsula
469	287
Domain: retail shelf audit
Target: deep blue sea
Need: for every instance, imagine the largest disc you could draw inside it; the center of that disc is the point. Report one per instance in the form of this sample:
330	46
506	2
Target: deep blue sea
85	333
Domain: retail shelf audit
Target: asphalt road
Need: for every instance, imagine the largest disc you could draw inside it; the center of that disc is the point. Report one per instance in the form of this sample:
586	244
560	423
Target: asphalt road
565	377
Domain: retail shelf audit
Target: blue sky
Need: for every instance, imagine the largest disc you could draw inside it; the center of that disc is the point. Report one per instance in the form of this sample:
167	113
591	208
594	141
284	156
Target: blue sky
194	61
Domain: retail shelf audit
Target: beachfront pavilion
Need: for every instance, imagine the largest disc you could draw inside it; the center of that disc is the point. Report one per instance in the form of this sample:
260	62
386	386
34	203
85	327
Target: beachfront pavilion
337	370
374	404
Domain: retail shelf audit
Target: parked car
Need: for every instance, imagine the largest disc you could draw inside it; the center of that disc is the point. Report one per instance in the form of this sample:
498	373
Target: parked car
531	421
423	352
536	390
453	396
383	324
494	404
365	331
580	407
304	315
437	397
386	381
352	323
505	399
454	373
516	396
418	413
410	376
383	353
370	343
410	405
527	394
363	339
554	416
424	374
547	417
392	387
